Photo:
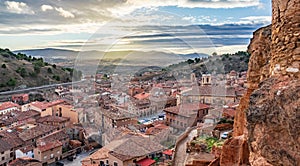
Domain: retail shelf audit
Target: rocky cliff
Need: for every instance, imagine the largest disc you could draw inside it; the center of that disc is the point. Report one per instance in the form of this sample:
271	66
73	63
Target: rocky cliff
267	124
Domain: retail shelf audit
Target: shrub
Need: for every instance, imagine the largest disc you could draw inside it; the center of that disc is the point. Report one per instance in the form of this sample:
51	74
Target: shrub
56	77
49	70
11	82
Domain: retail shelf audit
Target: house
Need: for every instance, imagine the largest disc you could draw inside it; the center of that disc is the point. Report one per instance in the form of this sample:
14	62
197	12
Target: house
126	151
159	132
209	94
11	136
30	133
7	107
67	111
142	96
59	122
45	108
100	157
26	151
15	118
6	152
145	162
185	115
60	135
37	106
25	161
48	152
20	98
114	117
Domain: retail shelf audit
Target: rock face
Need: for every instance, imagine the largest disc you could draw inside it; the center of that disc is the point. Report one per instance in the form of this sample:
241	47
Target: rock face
285	38
235	150
274	122
267	123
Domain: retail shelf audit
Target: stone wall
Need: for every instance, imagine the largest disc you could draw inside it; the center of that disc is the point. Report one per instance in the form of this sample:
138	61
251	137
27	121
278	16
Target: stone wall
285	38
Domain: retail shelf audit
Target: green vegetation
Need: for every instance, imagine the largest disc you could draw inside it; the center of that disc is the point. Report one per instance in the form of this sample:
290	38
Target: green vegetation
216	63
224	120
56	77
22	71
208	142
11	82
49	70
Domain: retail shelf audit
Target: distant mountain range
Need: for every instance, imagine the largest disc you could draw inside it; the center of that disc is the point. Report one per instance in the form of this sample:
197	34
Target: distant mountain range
67	58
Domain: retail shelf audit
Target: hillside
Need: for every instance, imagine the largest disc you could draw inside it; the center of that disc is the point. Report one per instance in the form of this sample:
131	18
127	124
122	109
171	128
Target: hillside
67	58
20	71
217	63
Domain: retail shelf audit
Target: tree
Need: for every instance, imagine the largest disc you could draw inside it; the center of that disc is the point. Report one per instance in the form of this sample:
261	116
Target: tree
11	82
190	61
214	54
37	69
23	72
56	77
49	70
3	66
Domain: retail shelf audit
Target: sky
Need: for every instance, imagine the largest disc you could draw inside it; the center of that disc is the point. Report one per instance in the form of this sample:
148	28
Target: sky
179	26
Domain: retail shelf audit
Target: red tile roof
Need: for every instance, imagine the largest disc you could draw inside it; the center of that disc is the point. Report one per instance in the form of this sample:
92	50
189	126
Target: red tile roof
7	105
24	161
187	109
53	119
44	105
168	152
142	96
146	162
40	105
229	112
56	102
49	145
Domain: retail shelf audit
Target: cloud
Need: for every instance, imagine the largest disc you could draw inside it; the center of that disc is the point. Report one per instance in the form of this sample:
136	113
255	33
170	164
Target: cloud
217	3
18	7
46	7
256	19
64	13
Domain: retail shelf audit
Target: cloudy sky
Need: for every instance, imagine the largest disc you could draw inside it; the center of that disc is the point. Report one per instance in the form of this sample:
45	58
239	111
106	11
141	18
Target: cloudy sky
182	26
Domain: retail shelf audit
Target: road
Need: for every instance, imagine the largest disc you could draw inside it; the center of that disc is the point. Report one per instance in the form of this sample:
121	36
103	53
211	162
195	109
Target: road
79	157
181	154
39	87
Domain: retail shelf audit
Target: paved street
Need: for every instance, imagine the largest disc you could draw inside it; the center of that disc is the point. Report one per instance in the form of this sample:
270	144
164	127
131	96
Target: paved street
79	157
181	154
37	88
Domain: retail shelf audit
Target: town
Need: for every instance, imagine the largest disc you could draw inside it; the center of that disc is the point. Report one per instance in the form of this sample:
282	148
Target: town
109	121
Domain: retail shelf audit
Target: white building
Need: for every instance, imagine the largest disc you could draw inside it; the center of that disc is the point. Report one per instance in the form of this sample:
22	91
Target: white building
7	107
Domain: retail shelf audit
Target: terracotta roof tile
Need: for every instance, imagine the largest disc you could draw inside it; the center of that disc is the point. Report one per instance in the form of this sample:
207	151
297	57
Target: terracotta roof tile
7	105
187	109
49	145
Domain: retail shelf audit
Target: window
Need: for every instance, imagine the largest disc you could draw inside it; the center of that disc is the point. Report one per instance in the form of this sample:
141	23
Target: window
115	164
3	158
